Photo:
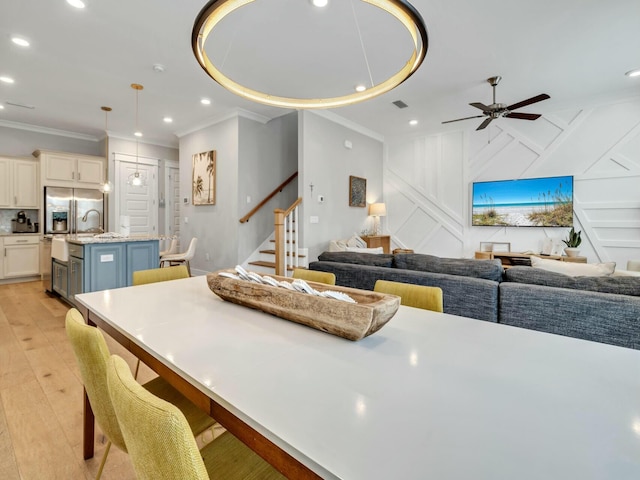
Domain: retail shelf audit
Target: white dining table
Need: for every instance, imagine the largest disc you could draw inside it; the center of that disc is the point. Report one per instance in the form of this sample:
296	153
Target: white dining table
429	396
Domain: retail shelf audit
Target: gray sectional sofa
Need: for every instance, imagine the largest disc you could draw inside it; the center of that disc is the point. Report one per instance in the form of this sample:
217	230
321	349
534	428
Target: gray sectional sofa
601	309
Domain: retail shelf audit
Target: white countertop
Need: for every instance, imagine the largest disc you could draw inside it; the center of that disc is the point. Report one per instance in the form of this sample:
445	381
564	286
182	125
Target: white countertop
428	396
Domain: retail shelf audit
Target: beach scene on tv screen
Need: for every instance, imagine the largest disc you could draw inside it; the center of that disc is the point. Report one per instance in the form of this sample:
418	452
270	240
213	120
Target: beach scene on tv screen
533	202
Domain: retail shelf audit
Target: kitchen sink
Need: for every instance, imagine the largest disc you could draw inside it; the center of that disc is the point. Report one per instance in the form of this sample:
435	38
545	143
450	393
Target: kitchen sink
60	249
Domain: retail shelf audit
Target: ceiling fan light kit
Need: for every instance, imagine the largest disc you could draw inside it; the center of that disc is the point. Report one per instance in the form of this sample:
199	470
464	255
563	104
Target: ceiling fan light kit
216	10
497	110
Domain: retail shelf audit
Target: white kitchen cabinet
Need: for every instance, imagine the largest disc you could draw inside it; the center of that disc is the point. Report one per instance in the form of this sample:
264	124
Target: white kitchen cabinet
19	185
21	256
60	169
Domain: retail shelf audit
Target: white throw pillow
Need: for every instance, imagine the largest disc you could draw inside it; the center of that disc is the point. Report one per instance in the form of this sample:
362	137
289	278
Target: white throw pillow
625	273
337	246
574	269
365	250
356	241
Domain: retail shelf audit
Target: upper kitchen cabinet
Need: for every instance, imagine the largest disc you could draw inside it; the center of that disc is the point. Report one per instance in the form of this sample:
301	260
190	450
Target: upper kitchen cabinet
61	169
19	185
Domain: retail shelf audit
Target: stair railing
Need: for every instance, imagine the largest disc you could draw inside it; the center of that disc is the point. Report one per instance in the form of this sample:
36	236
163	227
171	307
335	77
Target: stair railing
286	238
277	190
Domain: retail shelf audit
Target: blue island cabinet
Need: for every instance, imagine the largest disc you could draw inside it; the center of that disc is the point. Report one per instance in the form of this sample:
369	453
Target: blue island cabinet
111	265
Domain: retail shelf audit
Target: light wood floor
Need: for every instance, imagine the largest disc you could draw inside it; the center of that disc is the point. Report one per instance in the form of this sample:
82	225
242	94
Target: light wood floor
41	393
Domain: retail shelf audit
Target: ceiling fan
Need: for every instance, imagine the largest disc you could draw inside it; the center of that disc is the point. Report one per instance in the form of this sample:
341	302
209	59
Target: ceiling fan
496	110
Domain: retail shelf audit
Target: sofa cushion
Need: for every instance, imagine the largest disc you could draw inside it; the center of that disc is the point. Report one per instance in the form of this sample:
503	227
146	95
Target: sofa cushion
464	296
379	260
537	276
574	269
486	269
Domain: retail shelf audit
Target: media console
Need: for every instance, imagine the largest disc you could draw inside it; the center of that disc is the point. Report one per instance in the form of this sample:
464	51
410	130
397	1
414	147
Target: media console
511	259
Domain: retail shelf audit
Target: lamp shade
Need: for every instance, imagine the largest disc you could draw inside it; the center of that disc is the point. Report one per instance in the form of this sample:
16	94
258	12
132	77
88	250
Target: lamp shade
377	210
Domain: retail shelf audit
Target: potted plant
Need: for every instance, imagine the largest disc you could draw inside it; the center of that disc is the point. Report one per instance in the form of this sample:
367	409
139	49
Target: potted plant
572	242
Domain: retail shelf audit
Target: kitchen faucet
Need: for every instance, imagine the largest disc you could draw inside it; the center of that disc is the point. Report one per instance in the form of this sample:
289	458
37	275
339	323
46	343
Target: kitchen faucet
86	215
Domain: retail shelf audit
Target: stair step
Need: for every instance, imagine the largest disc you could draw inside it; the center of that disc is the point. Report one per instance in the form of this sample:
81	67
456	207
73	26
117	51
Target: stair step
261	263
273	252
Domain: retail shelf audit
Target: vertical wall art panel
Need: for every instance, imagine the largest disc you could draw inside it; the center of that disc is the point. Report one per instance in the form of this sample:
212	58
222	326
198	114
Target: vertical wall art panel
204	178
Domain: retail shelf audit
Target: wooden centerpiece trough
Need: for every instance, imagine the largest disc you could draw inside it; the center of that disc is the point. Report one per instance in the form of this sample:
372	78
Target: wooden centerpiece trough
352	321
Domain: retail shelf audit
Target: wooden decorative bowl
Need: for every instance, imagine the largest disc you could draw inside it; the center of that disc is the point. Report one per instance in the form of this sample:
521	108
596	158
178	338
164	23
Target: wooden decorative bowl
352	321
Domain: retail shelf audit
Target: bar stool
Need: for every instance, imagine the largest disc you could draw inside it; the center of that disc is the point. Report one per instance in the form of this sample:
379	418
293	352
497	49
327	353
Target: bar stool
180	258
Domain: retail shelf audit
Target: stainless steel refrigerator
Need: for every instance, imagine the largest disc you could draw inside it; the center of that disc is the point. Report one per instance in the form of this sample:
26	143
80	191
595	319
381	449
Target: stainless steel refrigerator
73	210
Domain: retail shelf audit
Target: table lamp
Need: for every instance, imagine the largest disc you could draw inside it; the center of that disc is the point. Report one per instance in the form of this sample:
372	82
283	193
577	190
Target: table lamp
377	210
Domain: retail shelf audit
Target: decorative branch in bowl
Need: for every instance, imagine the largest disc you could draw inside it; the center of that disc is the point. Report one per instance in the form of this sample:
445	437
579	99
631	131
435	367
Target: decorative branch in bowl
572	242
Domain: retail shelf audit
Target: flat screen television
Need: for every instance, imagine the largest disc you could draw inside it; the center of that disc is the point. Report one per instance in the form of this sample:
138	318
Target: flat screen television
530	202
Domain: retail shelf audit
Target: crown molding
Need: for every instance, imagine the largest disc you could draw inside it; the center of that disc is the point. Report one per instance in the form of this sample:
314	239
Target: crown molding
132	139
48	131
348	124
239	112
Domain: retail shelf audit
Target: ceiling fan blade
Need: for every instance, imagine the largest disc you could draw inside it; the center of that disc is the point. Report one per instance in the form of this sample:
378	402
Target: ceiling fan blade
465	118
481	106
529	101
523	116
484	124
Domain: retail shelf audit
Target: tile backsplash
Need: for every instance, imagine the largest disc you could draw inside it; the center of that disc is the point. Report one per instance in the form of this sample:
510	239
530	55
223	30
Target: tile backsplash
8	214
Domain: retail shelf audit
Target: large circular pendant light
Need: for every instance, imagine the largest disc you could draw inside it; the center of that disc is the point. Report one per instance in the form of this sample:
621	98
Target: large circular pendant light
216	10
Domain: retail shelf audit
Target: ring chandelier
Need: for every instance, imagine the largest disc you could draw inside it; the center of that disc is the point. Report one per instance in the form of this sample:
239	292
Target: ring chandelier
216	10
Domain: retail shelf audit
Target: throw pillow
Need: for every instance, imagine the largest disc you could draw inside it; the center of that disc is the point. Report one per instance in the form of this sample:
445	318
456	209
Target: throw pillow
376	250
356	241
337	246
574	269
625	273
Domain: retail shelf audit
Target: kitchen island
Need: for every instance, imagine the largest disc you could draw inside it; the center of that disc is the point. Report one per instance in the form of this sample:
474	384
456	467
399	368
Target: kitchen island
101	262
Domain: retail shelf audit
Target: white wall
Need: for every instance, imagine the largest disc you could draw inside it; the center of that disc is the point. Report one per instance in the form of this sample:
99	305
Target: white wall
268	155
428	180
21	143
215	226
326	163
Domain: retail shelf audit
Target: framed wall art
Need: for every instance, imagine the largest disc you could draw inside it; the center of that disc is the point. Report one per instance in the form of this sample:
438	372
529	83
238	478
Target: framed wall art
204	178
357	191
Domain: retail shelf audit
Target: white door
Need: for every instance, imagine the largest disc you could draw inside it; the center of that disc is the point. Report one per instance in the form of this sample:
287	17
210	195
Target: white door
138	203
172	189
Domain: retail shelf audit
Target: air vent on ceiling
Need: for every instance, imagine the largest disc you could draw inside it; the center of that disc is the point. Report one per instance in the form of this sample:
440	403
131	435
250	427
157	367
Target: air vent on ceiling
22	105
400	104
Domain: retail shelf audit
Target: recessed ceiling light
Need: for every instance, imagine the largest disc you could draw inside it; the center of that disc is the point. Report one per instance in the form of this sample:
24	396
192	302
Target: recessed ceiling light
360	88
1	107
413	122
20	41
6	79
633	73
167	119
76	3
205	101
320	3
138	134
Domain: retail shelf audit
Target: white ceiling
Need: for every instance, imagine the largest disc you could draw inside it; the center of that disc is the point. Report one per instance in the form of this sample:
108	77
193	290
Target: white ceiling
574	50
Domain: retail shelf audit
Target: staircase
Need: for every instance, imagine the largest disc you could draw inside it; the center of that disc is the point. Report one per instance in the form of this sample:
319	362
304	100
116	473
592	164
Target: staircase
286	253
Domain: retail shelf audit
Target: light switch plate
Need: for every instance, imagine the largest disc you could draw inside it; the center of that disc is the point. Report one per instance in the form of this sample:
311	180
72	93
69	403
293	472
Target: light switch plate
314	219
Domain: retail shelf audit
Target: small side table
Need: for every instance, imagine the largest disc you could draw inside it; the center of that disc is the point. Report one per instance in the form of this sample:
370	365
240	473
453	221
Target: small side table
375	241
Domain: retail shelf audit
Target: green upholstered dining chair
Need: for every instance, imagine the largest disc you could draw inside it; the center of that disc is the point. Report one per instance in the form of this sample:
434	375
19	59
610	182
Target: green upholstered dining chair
154	275
161	445
314	276
419	296
92	353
